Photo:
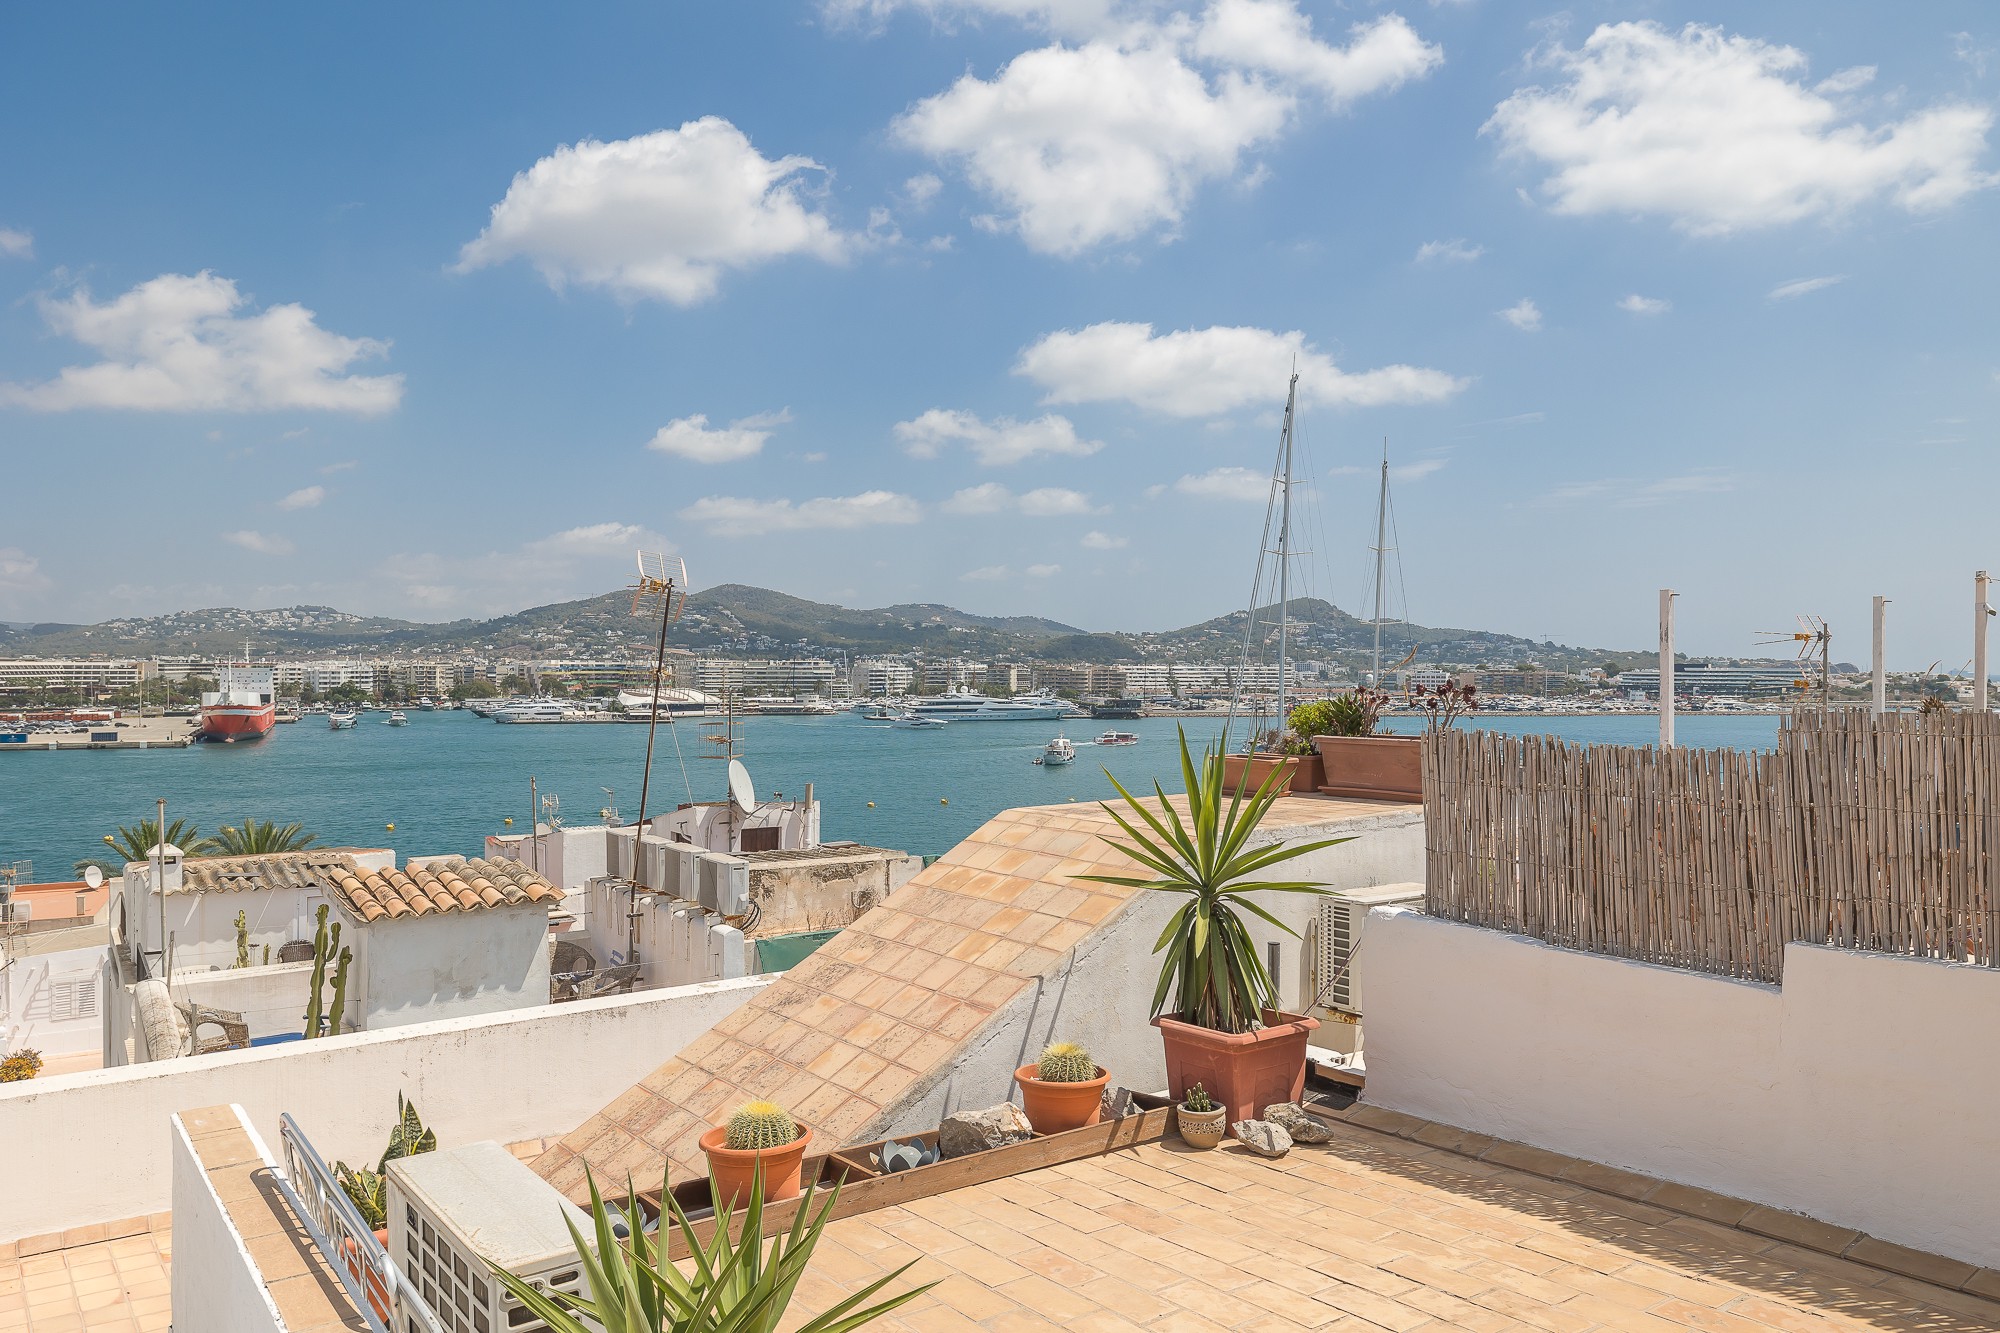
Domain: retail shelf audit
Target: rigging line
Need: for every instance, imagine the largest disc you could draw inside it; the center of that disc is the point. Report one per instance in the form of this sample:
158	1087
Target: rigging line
1256	587
1402	586
680	759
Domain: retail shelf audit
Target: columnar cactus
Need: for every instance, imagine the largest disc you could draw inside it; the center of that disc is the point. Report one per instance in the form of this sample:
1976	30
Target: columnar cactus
1066	1062
326	950
1198	1100
759	1125
242	940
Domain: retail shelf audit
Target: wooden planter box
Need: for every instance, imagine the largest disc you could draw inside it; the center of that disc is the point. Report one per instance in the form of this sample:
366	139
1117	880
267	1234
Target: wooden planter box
1377	768
1306	770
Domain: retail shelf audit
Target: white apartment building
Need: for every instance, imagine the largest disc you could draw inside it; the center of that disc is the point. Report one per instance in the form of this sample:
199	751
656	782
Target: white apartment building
332	673
23	675
792	676
956	674
881	675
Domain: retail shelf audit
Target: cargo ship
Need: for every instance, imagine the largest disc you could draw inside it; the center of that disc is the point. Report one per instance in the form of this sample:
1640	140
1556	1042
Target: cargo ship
242	707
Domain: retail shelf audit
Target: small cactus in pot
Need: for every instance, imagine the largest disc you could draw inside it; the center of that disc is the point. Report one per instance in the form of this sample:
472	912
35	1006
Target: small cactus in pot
1062	1090
1201	1122
759	1143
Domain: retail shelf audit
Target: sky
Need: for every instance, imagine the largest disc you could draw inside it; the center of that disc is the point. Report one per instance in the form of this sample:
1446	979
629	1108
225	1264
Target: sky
444	310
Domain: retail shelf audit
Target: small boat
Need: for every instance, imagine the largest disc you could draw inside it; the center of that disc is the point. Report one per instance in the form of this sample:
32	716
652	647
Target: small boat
1060	751
1117	738
341	721
427	705
396	719
915	722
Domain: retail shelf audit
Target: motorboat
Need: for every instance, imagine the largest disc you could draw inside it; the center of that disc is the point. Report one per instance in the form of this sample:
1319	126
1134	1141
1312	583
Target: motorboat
918	722
342	721
531	710
1117	738
396	718
966	707
1060	751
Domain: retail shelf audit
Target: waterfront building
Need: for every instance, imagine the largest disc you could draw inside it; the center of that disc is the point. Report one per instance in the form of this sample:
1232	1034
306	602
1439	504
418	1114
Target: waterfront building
1705	678
790	676
86	675
328	674
880	676
953	676
1007	679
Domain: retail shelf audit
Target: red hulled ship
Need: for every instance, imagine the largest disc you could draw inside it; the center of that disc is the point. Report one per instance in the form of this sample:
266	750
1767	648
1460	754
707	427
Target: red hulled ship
242	707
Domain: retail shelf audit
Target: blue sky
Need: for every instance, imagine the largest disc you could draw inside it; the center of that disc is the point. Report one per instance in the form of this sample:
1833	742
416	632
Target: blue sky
440	310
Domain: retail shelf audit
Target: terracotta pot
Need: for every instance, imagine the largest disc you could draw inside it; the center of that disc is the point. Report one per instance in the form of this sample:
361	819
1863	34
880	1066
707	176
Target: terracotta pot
732	1168
1201	1129
1244	1072
1055	1107
1379	768
1307	771
370	1280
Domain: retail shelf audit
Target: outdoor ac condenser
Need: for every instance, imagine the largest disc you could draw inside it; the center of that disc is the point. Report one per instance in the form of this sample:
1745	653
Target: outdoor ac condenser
454	1211
1338	934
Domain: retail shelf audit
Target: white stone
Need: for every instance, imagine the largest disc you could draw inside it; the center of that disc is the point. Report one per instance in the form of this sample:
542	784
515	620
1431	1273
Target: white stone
1262	1137
1296	1121
976	1131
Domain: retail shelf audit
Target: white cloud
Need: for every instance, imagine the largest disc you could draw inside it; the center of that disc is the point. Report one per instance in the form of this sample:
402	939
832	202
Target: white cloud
1418	470
1720	133
734	516
306	497
182	344
1786	291
1455	251
20	573
599	541
258	542
1043	502
345	465
1274	38
1077	17
1635	493
1644	305
918	191
1205	372
575	562
16	244
693	438
996	443
987	574
1104	541
1043	571
1226	483
1524	315
663	215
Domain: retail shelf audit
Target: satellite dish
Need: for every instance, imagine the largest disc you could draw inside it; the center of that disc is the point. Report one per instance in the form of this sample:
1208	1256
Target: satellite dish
742	793
93	877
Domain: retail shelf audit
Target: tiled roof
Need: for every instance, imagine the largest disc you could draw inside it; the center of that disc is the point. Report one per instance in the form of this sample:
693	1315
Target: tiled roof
285	870
454	885
881	1011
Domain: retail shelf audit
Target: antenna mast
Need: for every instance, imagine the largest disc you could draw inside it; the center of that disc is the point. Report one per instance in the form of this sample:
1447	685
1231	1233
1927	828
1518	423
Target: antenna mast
1381	550
655	591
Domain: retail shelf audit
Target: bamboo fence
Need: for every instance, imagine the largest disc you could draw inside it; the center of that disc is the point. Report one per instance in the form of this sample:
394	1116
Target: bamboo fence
1857	832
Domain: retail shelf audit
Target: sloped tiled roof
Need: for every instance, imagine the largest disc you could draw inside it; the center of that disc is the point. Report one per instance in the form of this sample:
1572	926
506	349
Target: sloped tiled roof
454	885
285	870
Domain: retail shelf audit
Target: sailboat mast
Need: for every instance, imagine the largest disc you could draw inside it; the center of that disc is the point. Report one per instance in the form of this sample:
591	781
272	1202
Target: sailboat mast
1285	550
1381	549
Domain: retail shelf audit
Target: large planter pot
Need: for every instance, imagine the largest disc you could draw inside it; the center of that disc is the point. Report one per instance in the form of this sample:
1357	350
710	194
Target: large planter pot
1380	768
1055	1107
732	1168
1244	1072
1306	770
1201	1129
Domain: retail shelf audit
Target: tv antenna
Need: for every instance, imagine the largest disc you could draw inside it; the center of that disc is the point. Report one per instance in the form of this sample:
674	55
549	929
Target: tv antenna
1815	640
661	594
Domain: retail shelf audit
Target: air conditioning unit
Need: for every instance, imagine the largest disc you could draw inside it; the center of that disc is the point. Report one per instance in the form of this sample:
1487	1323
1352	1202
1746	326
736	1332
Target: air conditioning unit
1337	934
455	1212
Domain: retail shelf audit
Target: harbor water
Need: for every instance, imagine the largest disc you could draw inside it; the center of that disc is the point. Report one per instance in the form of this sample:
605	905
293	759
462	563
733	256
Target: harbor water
448	779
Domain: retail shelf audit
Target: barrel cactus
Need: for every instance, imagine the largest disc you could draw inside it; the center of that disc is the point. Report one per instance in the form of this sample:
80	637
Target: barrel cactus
1198	1101
759	1125
1066	1062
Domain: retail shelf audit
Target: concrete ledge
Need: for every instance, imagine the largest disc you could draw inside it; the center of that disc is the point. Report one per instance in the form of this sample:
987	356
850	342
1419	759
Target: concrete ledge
1807	1233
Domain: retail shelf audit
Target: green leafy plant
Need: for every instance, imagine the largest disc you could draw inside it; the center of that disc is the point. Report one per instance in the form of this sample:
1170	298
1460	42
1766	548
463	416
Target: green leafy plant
135	842
733	1282
759	1125
1354	713
1211	967
369	1189
251	838
20	1066
1065	1062
1198	1100
1309	719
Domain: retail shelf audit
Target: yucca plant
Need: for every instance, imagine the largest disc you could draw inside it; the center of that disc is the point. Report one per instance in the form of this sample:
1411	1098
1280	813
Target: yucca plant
251	838
1211	968
733	1283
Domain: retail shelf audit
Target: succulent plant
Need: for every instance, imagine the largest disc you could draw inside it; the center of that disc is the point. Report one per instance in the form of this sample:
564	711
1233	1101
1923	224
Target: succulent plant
1198	1100
20	1066
1065	1062
759	1125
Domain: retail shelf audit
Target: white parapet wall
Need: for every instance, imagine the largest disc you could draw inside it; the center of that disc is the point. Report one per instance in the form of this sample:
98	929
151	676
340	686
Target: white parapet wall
1861	1093
217	1286
102	1137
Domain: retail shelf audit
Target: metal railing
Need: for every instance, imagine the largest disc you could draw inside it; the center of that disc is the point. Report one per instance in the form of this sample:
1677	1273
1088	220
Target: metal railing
375	1285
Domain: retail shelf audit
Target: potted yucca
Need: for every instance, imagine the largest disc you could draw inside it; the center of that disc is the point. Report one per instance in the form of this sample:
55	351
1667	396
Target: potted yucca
1062	1090
760	1141
1225	1030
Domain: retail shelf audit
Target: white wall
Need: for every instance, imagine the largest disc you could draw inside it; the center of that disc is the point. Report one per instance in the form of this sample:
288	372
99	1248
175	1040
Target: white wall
1862	1093
271	999
447	965
216	1285
1103	997
33	1015
506	1077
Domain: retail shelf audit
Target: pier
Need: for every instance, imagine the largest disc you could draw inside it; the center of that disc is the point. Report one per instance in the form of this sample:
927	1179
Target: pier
135	733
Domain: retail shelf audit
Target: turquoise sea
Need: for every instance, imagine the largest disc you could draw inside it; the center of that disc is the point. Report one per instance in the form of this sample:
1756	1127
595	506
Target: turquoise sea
450	778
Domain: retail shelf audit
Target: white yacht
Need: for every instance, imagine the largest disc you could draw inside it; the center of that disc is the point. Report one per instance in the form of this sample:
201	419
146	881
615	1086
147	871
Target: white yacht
912	722
1060	751
396	718
341	721
981	708
531	710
